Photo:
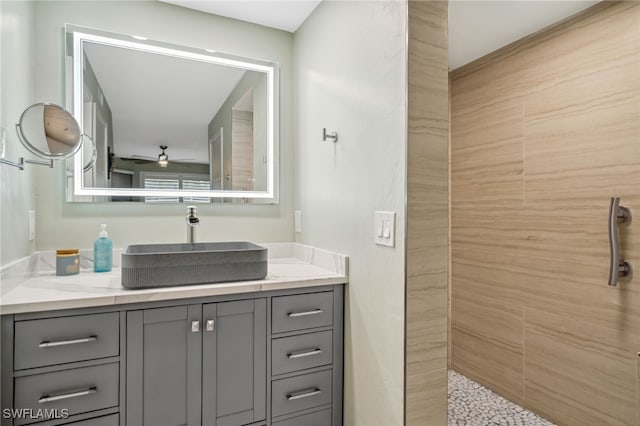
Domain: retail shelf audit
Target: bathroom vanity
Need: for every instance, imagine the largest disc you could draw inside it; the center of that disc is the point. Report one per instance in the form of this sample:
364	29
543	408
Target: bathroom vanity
265	352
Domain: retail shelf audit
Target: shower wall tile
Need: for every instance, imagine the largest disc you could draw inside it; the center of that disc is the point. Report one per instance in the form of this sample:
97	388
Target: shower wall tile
496	366
488	152
494	322
567	363
544	132
568	261
581	137
427	243
425	391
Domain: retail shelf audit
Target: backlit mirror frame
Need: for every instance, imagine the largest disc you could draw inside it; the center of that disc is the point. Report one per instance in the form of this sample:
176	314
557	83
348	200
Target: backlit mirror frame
80	35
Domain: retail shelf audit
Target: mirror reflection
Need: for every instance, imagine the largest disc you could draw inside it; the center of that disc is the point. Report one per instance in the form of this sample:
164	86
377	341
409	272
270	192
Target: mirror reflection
171	125
49	131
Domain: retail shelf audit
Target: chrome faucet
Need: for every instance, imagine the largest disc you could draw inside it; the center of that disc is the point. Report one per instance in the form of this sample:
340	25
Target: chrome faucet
192	223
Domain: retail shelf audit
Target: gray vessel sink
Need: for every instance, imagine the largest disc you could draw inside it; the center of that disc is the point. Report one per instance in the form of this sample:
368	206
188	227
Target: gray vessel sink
166	265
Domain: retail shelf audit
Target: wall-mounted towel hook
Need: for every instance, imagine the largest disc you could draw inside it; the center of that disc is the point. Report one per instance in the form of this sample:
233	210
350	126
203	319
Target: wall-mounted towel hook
333	136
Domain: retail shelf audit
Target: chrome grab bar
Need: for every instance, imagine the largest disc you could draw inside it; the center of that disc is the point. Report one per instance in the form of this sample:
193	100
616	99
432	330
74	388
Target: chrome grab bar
48	344
617	267
303	394
304	314
302	354
52	398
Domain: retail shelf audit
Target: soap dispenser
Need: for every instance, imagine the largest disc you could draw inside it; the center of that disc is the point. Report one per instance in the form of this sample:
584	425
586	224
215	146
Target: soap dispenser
102	251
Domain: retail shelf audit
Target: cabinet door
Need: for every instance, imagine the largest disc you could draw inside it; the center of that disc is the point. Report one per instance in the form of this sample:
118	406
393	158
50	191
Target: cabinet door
234	363
164	354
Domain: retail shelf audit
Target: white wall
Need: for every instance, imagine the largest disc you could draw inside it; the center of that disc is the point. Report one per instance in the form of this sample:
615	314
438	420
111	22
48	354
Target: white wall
16	93
350	76
62	224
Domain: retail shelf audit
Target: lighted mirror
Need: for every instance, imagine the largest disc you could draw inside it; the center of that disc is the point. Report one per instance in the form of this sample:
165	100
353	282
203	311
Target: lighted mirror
171	123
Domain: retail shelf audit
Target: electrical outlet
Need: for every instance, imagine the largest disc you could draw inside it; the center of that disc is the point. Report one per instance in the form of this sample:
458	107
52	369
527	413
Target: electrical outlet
297	219
32	225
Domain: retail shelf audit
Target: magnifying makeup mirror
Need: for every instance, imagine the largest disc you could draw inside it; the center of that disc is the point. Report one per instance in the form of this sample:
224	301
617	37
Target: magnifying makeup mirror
89	155
47	131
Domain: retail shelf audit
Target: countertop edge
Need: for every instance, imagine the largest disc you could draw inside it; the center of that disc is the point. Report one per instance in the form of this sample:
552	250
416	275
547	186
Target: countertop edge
172	293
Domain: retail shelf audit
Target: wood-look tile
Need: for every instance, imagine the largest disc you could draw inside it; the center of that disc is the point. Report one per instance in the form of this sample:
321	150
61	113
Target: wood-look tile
578	374
566	128
427	215
487	147
604	339
567	262
470	282
492	228
497	367
598	41
428	390
543	248
494	322
427	318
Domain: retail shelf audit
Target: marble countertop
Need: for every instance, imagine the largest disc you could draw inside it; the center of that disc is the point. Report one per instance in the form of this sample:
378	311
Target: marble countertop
31	285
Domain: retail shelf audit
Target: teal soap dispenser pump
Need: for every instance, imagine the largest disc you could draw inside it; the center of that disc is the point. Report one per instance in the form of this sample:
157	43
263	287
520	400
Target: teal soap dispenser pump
102	251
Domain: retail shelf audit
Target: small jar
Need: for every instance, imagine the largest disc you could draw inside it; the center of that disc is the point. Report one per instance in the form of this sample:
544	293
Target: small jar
67	262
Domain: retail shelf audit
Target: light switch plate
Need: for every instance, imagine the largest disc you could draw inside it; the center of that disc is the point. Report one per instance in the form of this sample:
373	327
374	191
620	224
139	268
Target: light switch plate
385	228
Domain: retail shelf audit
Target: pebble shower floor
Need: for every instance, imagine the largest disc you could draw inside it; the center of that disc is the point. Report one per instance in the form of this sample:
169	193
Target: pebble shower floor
471	404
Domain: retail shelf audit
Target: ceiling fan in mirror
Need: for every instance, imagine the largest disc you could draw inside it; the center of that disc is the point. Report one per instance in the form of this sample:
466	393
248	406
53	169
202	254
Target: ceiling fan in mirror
162	159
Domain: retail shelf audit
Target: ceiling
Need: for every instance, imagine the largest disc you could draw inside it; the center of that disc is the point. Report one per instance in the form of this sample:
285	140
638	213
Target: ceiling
285	15
478	27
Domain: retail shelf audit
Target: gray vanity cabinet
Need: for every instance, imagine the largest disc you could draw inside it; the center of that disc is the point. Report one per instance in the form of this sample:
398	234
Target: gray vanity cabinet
256	359
234	350
163	366
195	365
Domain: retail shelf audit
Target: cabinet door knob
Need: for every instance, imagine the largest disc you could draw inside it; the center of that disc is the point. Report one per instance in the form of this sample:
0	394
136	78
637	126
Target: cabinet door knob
195	326
211	325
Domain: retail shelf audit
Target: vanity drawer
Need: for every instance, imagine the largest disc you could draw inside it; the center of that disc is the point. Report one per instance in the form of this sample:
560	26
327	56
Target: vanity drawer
300	392
66	339
301	352
302	311
319	418
78	390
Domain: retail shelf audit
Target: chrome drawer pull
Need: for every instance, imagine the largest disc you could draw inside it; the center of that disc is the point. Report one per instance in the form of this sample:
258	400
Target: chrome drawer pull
47	398
303	354
304	314
303	394
48	344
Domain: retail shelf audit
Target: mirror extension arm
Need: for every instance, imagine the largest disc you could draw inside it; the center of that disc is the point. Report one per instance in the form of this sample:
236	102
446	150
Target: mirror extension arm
46	130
